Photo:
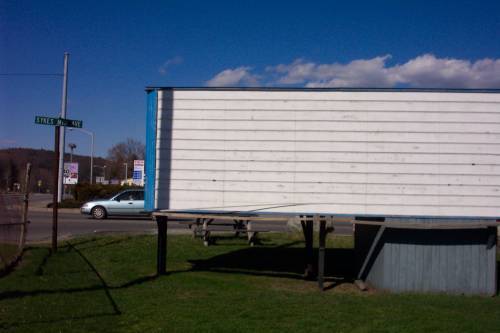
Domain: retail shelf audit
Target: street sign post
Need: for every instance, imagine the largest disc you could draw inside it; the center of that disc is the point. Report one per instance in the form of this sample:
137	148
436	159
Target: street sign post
58	122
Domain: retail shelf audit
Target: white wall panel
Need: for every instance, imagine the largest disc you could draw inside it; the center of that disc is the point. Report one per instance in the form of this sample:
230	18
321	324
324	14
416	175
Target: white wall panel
323	187
339	152
323	166
441	138
352	105
333	126
340	157
392	96
341	116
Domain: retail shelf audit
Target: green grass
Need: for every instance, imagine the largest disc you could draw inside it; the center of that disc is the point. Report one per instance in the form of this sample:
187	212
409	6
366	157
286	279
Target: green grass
108	284
8	253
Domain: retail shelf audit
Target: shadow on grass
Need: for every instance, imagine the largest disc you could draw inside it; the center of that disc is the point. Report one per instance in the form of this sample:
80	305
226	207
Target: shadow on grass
20	294
41	268
97	245
285	260
6	270
280	261
236	241
52	321
102	286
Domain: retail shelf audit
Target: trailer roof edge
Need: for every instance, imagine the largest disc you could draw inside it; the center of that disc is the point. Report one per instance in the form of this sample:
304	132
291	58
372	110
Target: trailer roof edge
432	90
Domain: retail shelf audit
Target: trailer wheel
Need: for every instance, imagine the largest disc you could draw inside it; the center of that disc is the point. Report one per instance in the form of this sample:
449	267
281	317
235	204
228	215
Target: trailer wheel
99	213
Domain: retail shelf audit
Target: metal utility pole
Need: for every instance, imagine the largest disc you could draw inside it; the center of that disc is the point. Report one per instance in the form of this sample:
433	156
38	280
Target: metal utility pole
57	132
91	134
63	132
92	159
71	146
126	171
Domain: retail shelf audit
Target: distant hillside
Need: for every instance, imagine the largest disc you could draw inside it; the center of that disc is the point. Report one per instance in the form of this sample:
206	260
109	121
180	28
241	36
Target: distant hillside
13	166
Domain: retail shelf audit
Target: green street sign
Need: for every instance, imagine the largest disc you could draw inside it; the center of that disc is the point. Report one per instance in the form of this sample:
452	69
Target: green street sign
58	122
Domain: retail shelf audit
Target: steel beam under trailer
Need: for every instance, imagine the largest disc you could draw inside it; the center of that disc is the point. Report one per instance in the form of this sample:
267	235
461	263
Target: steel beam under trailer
307	222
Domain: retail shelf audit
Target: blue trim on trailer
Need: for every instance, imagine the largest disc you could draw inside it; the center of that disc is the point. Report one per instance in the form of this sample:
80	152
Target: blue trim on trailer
150	163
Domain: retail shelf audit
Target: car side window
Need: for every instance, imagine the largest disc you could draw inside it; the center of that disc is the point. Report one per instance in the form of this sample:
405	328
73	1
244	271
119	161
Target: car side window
140	195
125	196
137	195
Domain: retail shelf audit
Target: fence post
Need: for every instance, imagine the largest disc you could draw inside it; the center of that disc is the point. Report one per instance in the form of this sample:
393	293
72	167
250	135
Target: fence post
25	205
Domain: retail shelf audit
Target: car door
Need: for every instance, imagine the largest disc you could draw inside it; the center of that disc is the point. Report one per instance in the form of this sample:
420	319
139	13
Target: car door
121	204
138	202
128	203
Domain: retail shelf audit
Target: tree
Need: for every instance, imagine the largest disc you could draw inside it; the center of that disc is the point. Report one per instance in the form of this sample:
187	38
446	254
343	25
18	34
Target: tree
125	152
12	174
3	175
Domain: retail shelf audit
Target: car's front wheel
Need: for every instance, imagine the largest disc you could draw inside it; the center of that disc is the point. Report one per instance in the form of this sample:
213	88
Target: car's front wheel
99	213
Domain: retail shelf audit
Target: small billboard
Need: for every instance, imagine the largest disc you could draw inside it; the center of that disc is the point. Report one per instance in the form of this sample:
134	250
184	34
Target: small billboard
70	173
138	174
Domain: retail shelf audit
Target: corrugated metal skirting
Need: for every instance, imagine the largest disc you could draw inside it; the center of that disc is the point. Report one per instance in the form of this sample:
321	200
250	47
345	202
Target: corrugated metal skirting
461	261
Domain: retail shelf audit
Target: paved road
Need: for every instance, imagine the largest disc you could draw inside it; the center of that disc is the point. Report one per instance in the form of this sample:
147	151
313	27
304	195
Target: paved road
72	223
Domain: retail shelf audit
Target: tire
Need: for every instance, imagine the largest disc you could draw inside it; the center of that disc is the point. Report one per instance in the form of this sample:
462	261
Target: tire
99	213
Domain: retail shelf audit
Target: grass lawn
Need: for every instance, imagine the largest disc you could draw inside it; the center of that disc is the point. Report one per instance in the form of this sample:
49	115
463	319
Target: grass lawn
9	253
108	284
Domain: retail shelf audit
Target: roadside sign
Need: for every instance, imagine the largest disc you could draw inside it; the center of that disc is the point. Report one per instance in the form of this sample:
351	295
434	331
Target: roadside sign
58	122
70	173
138	174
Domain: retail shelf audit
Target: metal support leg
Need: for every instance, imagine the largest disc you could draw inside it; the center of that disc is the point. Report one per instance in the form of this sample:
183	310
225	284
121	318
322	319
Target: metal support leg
370	252
321	254
251	234
206	232
238	226
161	263
307	228
196	229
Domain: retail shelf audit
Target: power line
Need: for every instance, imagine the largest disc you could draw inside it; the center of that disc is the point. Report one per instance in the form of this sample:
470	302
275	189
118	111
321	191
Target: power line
30	74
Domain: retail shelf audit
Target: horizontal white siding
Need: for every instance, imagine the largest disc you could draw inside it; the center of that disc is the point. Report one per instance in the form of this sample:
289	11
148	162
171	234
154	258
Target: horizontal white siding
391	153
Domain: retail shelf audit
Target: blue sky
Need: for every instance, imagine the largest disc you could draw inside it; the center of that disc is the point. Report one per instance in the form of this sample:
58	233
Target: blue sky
118	48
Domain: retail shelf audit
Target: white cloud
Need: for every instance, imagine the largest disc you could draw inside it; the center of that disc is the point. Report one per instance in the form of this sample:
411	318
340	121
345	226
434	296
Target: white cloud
169	63
7	142
425	71
234	77
357	73
428	71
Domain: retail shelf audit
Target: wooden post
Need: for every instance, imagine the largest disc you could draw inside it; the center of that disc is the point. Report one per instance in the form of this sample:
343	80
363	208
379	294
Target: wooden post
25	205
307	228
321	254
55	189
161	263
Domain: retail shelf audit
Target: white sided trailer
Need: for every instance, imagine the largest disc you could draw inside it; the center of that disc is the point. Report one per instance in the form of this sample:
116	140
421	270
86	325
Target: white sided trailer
396	159
353	152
